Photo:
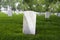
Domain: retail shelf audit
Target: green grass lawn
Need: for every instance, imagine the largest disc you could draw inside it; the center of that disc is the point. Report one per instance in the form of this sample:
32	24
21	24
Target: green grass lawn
46	29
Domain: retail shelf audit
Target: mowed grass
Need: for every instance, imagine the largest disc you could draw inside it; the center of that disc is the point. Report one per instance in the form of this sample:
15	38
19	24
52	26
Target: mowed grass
46	29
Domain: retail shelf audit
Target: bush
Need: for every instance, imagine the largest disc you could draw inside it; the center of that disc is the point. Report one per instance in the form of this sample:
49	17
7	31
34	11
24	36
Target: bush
54	7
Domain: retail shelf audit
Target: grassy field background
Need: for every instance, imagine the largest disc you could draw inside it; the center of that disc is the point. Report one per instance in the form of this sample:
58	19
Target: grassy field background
46	29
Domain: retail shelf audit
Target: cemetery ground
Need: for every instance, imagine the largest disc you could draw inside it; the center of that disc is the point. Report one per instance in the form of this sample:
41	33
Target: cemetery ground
46	29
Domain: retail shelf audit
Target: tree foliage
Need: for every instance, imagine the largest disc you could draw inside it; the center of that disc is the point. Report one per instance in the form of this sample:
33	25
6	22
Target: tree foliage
35	5
43	5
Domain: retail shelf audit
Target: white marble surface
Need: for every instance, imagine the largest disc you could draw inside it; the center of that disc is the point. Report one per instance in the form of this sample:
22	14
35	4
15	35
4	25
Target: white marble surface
29	22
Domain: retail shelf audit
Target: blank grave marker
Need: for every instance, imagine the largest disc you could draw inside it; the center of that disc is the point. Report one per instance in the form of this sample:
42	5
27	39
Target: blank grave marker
9	11
29	22
47	15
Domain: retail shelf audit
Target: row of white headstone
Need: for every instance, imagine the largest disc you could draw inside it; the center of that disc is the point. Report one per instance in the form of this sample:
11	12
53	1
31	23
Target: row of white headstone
48	14
29	21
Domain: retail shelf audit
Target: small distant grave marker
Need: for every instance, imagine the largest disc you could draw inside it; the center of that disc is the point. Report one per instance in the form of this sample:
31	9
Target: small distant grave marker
58	14
9	11
47	14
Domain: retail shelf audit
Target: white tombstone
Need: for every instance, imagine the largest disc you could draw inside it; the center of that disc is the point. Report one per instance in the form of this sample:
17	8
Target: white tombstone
58	14
17	11
47	14
29	22
9	11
